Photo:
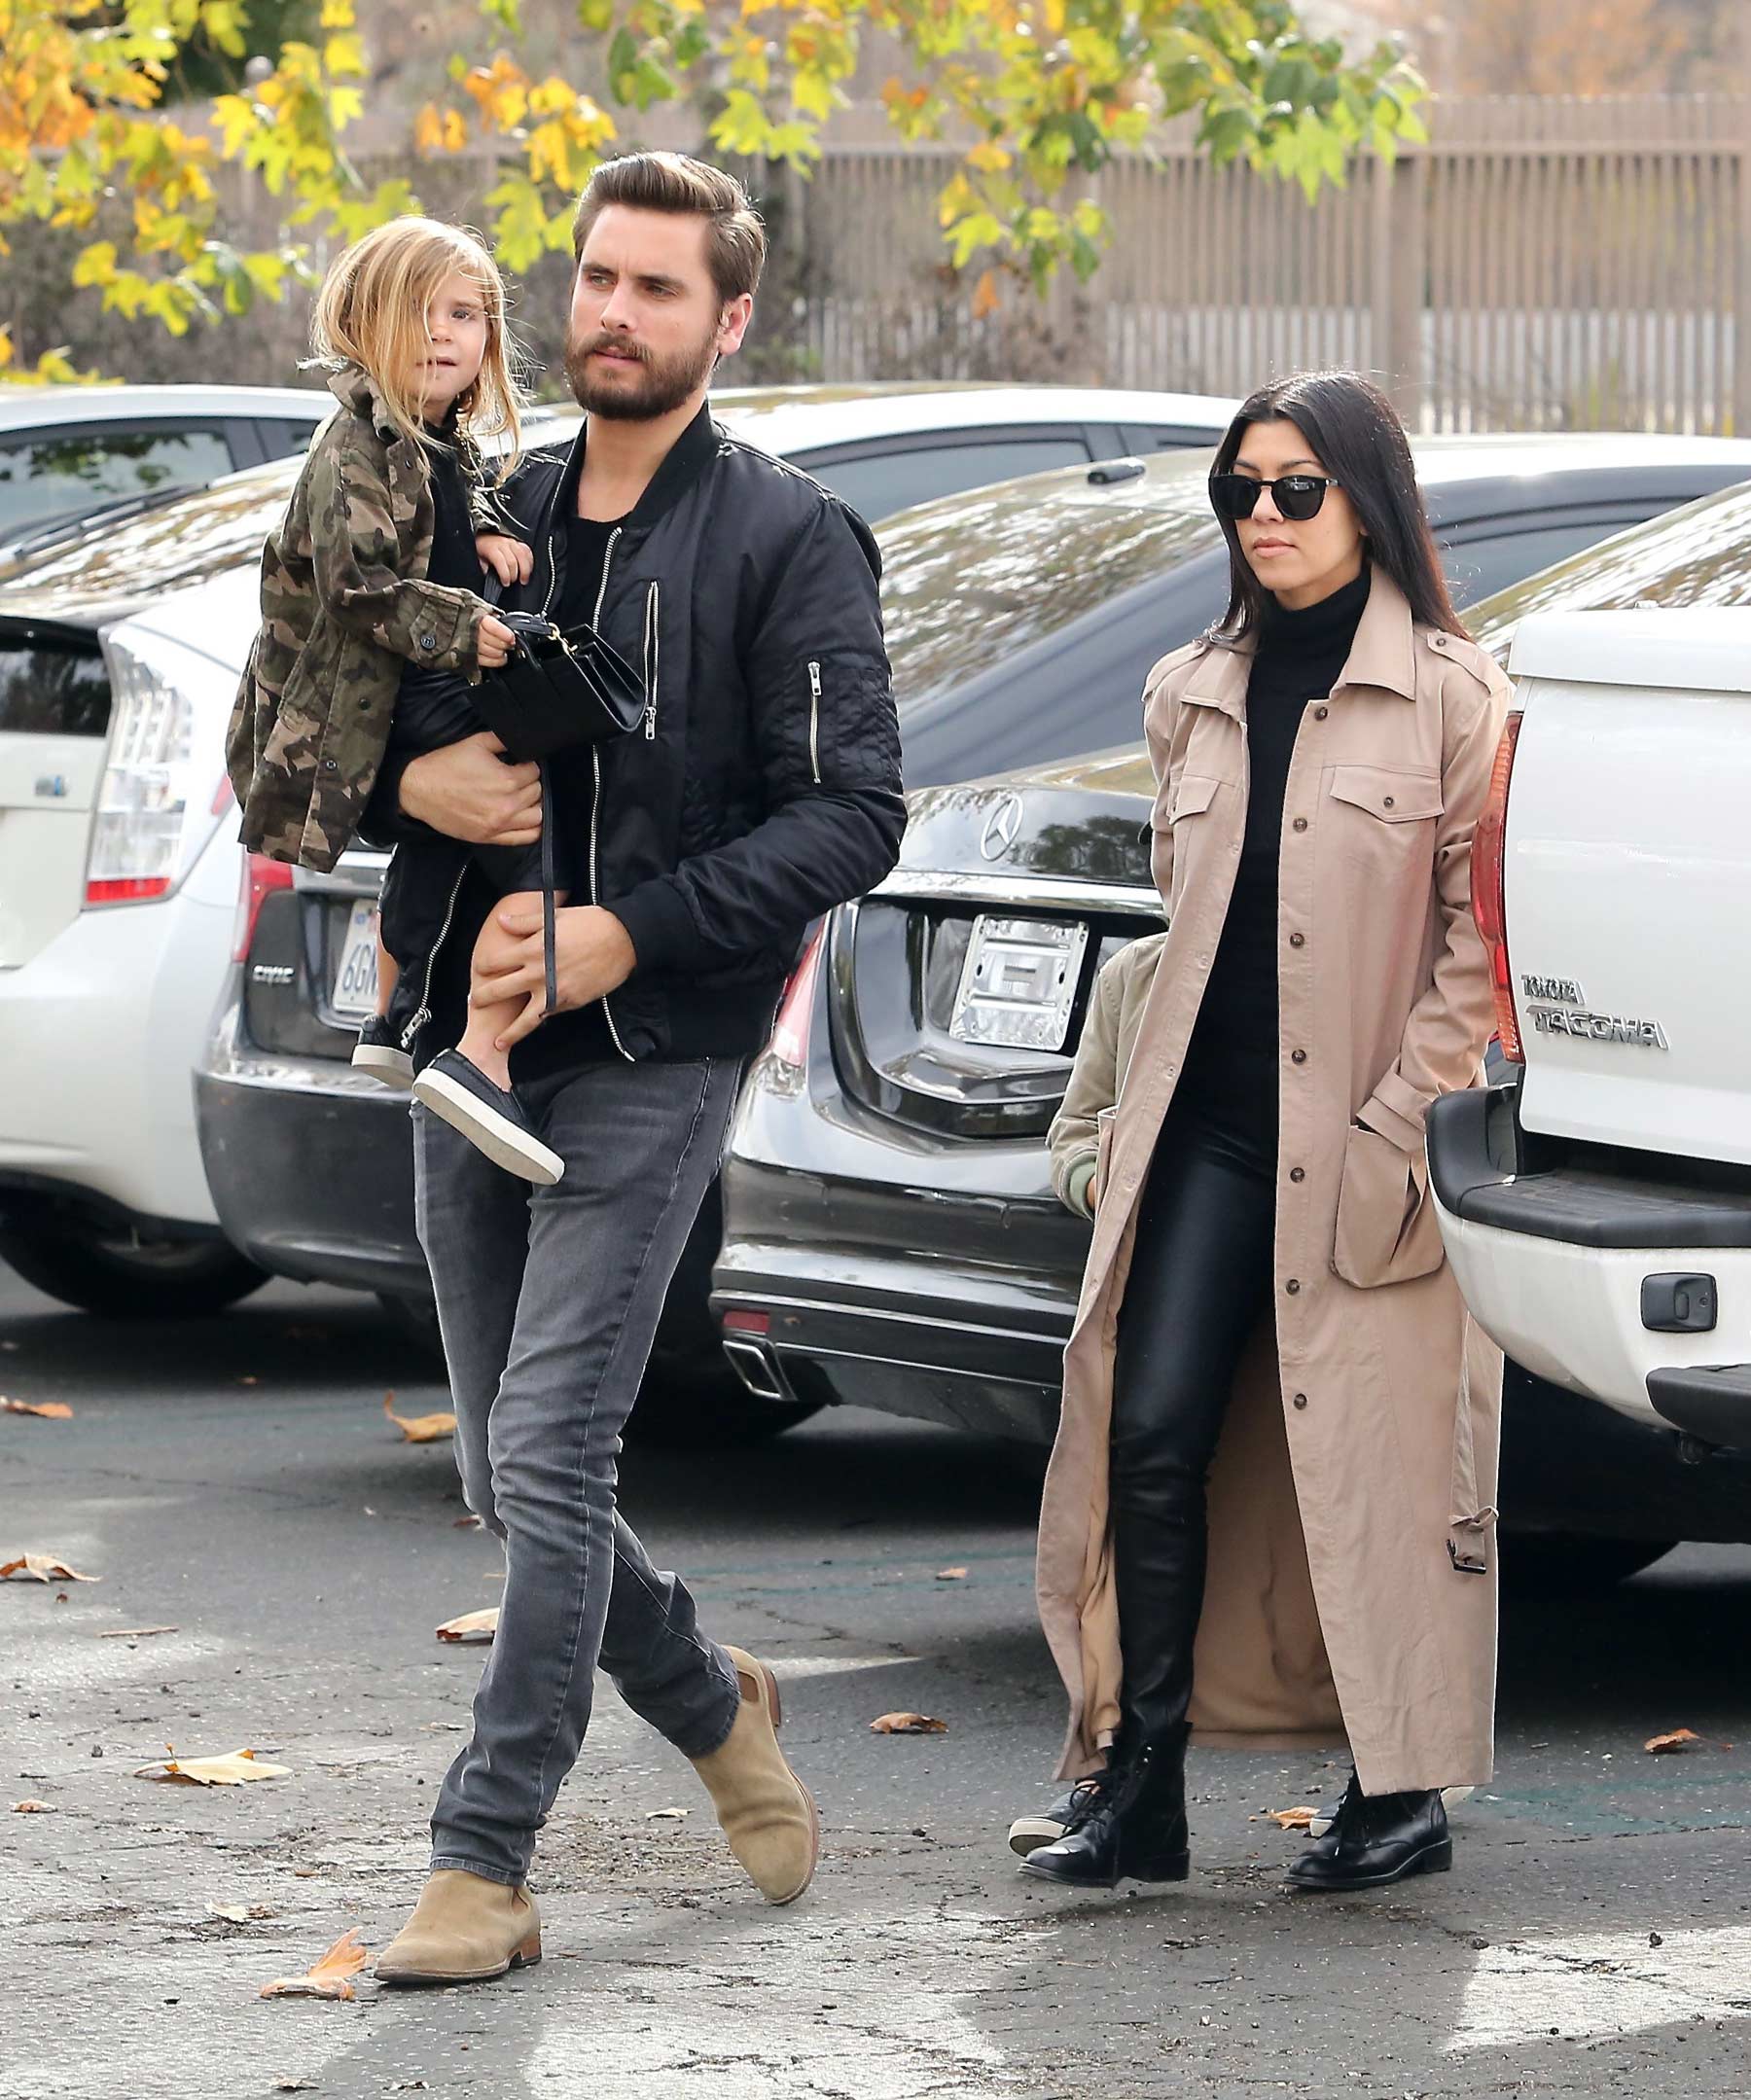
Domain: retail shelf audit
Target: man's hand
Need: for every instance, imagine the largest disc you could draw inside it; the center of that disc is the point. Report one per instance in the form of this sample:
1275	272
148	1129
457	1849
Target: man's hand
466	791
592	955
509	559
493	642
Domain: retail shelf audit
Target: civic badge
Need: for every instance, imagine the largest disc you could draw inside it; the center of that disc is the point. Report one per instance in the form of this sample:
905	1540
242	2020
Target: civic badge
1002	827
54	784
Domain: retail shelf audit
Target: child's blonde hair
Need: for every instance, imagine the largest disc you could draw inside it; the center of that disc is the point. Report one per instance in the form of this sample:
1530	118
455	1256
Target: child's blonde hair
372	309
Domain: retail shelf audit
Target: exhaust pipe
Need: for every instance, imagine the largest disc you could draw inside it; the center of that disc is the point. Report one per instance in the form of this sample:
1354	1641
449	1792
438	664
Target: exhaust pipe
758	1368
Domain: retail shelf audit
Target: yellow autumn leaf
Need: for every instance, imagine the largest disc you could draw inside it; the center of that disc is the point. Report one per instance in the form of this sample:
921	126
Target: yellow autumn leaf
1677	1739
908	1724
986	298
43	1568
235	1768
53	1410
329	1977
471	1626
420	1428
31	1808
1293	1819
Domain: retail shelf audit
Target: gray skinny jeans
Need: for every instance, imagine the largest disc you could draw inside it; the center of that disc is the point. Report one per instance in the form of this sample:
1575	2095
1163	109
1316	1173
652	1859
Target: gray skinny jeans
548	1303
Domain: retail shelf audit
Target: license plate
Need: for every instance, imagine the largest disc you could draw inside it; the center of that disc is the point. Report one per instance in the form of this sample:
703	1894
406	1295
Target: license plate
355	993
1018	983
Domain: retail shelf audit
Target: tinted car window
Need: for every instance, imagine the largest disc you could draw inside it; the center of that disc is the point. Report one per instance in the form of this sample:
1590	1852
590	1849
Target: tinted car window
57	474
1699	556
51	688
882	484
1490	563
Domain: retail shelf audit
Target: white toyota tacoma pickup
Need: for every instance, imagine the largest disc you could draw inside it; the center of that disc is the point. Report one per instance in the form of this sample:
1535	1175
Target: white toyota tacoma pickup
1597	1213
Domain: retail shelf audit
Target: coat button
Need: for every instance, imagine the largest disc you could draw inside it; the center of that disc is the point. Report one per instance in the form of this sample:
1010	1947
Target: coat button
1320	713
1300	824
1293	1287
428	641
1390	804
1298	940
1298	1057
1297	1173
329	765
1301	1400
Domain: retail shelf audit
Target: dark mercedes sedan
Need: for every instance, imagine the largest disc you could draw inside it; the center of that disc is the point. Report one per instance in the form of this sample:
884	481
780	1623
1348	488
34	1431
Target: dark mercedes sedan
891	1236
1022	619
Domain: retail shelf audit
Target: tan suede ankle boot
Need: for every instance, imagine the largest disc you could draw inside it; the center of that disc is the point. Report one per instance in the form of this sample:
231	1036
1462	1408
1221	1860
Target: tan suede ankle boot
766	1811
464	1930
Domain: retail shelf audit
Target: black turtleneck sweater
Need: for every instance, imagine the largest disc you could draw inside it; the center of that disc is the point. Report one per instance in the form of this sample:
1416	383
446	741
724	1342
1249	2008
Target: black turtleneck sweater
1230	1076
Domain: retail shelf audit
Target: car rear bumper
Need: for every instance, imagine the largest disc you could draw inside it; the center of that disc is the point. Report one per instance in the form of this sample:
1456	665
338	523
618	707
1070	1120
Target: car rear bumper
311	1165
99	1033
1565	1268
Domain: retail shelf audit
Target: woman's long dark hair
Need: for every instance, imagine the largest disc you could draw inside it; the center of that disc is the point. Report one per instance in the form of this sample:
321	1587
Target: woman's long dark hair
1355	432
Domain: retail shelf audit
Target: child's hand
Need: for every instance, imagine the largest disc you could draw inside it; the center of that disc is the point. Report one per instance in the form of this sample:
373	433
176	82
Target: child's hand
496	642
510	561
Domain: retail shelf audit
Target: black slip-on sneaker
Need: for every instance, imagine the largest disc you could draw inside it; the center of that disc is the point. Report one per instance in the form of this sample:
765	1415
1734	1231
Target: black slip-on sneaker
378	1053
491	1117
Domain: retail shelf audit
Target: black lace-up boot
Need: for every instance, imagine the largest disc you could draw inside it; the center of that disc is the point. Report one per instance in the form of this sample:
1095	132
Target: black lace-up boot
1127	1823
1375	1840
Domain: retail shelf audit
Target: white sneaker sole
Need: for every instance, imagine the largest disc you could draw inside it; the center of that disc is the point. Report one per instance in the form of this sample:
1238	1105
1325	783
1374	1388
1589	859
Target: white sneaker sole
1027	1834
516	1150
395	1068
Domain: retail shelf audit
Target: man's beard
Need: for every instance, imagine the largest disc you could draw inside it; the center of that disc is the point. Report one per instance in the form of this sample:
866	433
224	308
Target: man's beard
662	384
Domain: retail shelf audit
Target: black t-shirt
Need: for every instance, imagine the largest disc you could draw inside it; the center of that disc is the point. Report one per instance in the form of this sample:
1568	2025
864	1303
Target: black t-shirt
580	1037
1230	1076
455	560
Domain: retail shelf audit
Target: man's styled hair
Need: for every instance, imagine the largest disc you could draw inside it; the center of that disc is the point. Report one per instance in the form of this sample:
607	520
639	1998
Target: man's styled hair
684	188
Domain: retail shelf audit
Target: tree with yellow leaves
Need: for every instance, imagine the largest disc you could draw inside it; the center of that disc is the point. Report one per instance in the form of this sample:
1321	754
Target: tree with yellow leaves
1033	90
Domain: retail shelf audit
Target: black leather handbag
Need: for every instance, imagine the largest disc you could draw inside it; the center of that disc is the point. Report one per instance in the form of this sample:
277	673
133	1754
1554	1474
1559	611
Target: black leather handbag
559	688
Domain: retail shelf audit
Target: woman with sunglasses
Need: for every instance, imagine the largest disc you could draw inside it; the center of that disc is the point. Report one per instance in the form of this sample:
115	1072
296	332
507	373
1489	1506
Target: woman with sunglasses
1269	1512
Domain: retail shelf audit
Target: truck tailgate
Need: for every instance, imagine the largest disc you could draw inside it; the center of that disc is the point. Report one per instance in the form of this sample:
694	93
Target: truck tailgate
1628	884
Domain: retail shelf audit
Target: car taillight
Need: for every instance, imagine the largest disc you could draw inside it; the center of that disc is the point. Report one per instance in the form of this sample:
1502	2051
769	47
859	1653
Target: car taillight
156	803
261	878
1488	881
790	1031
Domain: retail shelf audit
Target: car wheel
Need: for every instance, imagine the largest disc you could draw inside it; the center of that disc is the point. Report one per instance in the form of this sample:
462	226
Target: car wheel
127	1276
1568	1564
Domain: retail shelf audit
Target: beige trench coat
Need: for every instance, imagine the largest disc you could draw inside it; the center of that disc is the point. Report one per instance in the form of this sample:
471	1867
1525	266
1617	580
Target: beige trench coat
1351	1588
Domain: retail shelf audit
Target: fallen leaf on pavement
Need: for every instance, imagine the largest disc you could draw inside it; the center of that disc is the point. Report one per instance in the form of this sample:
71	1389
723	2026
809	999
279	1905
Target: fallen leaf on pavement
1292	1819
466	1524
420	1428
43	1568
234	1770
952	1575
295	2086
471	1626
1679	1740
908	1724
232	1914
133	1633
31	1808
328	1978
665	1815
53	1410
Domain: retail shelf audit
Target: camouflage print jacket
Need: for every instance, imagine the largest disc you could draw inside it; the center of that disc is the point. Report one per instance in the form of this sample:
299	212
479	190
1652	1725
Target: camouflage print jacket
345	605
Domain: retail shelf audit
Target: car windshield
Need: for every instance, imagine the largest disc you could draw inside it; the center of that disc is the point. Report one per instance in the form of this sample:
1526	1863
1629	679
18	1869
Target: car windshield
1699	556
976	579
189	539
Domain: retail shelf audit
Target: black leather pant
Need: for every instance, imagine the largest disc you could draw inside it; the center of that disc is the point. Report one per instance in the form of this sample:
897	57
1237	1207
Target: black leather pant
1200	1279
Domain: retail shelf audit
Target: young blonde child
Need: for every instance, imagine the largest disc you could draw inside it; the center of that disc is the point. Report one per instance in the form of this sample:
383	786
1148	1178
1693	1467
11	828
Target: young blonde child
373	626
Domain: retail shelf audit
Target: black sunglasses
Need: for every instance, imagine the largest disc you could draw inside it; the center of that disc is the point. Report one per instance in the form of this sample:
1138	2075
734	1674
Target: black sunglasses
1296	495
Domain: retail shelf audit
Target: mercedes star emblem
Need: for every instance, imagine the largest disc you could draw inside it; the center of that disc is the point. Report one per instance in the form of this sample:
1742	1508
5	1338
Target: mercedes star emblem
1002	827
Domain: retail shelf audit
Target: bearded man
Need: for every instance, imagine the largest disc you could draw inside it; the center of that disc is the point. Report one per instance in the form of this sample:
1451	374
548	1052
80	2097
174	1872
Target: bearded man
760	789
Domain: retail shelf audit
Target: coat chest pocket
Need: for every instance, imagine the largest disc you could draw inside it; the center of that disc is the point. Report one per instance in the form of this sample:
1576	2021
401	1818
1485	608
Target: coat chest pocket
1383	816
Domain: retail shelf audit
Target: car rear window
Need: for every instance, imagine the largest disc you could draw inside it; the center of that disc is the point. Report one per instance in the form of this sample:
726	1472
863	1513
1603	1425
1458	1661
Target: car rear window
1699	556
53	685
980	578
58	473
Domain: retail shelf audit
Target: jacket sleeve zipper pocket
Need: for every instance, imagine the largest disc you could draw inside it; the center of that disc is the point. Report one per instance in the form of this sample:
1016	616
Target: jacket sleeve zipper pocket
815	720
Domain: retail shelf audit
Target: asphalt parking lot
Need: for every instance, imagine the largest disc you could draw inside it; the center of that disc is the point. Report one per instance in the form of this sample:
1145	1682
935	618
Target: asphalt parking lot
235	1481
